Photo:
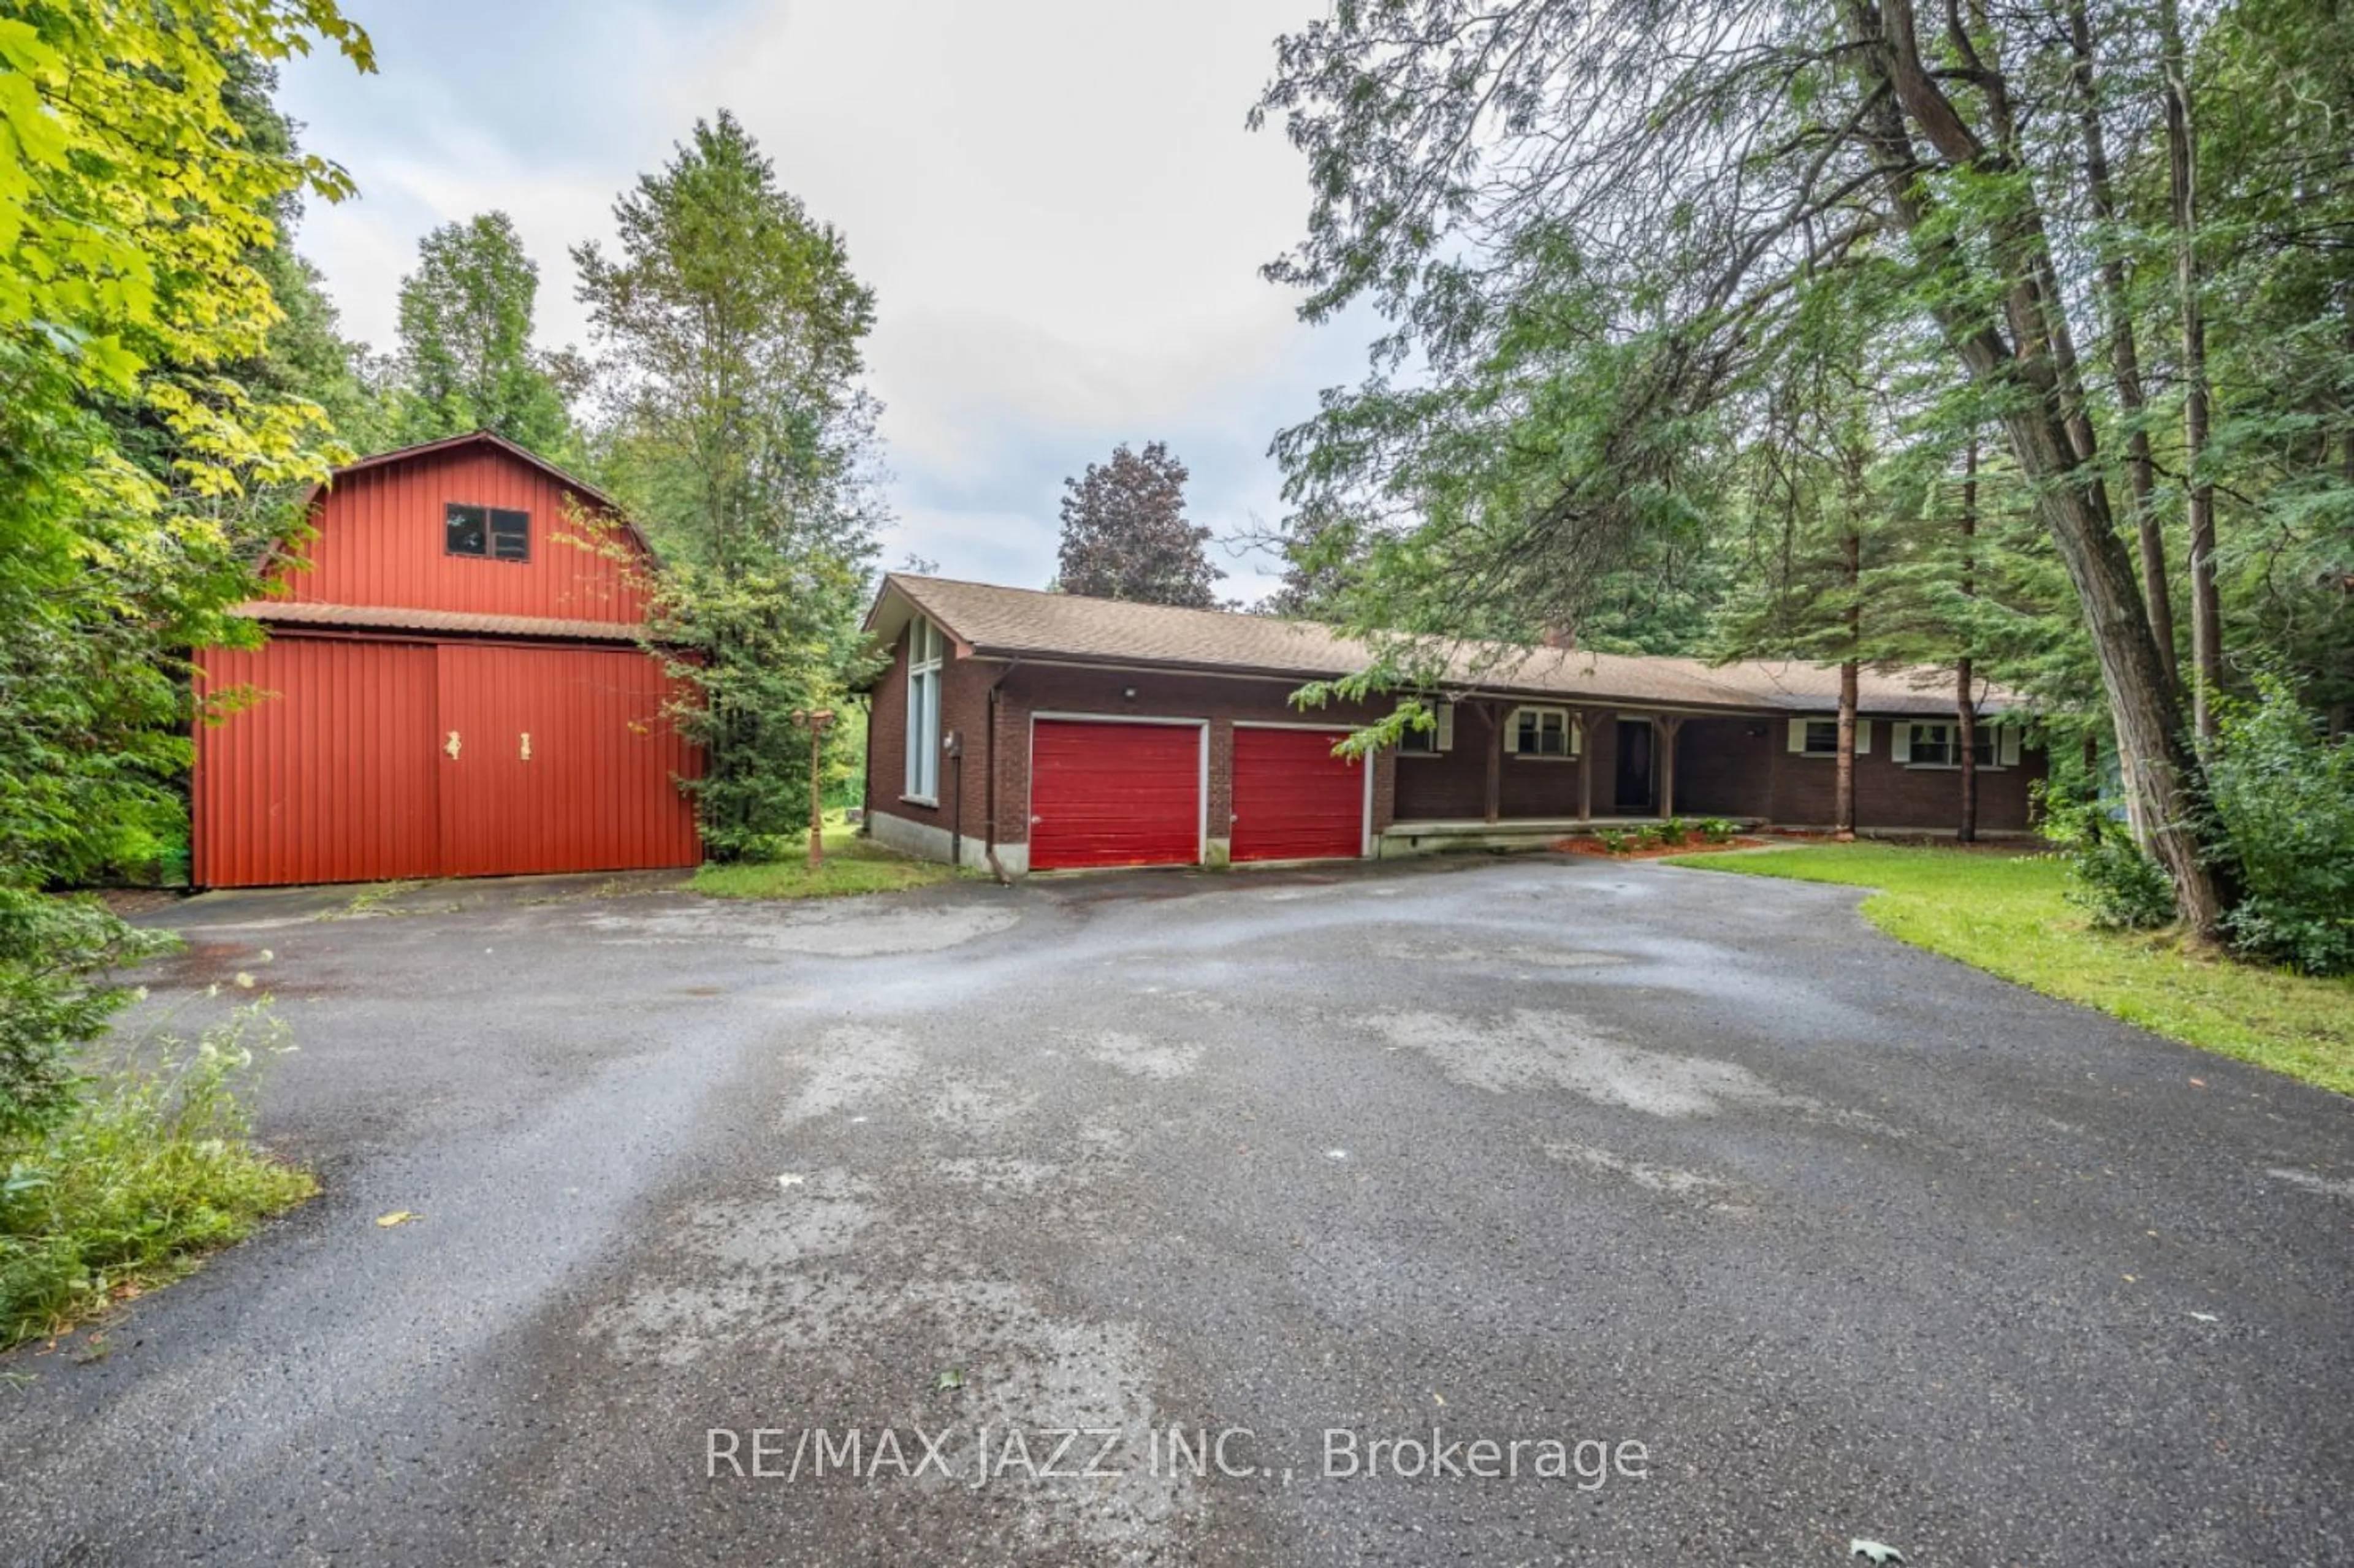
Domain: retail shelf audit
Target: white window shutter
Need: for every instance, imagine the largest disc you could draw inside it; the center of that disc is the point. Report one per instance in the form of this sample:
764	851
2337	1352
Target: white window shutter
1798	735
1445	735
1900	742
2010	745
1578	735
1863	737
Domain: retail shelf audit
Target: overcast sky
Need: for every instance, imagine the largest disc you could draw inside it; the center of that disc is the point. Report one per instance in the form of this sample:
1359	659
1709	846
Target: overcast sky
1055	200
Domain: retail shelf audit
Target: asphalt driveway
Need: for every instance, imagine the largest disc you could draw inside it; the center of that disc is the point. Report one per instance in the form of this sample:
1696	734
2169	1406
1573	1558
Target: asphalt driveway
1738	1230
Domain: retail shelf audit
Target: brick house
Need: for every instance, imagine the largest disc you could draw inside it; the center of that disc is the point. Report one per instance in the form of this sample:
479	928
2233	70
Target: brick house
1043	731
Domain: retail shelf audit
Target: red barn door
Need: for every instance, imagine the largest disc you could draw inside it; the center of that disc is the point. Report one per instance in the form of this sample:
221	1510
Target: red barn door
558	760
371	761
326	776
1293	799
1114	793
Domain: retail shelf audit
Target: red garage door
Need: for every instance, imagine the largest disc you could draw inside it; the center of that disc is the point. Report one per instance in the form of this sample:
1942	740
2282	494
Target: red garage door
1293	799
1114	794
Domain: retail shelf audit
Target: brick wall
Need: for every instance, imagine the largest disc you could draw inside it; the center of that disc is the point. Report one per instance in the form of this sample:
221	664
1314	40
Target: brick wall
1734	767
1030	689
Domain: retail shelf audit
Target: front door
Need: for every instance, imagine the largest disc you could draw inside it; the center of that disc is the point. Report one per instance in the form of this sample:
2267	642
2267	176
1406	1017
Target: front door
1635	792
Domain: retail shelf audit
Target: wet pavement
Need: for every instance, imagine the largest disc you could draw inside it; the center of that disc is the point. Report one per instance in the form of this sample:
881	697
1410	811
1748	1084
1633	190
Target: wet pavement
1612	1214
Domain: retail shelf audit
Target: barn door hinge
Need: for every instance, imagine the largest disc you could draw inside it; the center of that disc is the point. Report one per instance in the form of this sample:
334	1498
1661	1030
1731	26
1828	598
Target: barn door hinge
526	746
450	746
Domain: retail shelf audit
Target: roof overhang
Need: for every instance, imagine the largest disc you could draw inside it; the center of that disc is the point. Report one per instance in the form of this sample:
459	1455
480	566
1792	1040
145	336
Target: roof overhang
293	615
899	601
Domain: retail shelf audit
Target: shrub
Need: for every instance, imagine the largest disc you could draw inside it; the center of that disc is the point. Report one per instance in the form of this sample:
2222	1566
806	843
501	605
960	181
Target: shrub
1714	830
56	955
2284	796
2109	876
144	1172
1612	840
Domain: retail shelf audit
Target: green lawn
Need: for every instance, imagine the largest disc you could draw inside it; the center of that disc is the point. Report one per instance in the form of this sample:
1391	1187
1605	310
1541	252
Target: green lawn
2004	914
853	865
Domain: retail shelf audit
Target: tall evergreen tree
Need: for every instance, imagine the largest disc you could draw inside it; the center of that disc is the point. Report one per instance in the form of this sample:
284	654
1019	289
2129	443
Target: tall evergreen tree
1595	225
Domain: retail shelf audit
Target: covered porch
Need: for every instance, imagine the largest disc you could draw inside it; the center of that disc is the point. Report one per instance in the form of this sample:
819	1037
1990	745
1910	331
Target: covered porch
1511	770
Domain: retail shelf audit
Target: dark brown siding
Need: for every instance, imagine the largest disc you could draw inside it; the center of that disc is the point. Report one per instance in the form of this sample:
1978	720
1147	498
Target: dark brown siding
1730	766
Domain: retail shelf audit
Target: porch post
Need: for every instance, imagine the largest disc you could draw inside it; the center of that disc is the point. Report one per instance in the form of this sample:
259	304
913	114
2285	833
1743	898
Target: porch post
1585	765
1668	723
1495	761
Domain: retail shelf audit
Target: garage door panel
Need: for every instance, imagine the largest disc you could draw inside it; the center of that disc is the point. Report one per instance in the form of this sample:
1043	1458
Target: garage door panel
326	776
343	770
565	762
1294	800
1109	794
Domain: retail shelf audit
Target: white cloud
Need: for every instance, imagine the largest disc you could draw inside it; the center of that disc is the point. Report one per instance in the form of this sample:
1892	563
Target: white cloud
1056	202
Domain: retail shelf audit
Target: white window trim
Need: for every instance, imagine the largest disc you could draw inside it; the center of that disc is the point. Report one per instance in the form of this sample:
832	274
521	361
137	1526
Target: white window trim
1441	734
2005	745
926	650
1797	738
1573	734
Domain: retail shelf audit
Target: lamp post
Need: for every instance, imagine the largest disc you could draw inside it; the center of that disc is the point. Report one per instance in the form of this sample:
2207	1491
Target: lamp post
817	720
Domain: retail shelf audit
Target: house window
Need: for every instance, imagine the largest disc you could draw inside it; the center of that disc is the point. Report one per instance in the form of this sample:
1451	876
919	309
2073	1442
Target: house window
493	533
1541	732
1820	736
924	647
1939	745
1438	738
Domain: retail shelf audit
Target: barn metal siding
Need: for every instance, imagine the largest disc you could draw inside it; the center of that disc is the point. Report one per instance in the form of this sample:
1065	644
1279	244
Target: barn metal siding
592	789
378	540
327	776
341	771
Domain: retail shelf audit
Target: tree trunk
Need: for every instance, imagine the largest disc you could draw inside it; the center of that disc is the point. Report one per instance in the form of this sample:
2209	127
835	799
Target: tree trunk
1966	708
2182	166
2161	770
1843	786
2141	475
1965	698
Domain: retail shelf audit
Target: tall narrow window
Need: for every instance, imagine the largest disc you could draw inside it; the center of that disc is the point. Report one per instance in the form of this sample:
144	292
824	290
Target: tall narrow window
923	645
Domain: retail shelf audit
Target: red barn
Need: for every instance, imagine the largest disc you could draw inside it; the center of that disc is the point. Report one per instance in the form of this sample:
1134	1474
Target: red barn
450	688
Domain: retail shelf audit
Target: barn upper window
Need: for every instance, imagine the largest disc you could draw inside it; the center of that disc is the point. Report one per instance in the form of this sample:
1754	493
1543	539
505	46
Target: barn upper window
491	532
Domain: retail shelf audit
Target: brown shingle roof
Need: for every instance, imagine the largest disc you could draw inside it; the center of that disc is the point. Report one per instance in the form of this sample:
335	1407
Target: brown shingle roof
1004	622
373	617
